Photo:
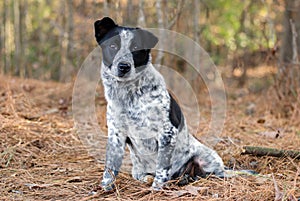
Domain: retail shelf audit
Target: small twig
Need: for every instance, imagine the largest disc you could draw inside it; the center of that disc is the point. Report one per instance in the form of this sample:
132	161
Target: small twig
37	116
278	193
264	151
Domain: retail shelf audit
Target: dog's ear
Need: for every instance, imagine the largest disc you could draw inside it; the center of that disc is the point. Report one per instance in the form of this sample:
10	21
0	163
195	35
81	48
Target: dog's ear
102	27
149	39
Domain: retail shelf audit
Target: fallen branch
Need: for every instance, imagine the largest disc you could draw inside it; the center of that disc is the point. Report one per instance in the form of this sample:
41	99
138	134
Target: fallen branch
264	151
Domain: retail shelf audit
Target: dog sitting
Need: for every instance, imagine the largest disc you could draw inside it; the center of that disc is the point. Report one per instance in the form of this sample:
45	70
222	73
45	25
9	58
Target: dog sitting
143	115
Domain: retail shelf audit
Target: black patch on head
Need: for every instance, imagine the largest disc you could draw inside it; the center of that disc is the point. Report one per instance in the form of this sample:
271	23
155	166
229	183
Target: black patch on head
110	47
140	46
140	58
106	34
175	114
102	27
149	40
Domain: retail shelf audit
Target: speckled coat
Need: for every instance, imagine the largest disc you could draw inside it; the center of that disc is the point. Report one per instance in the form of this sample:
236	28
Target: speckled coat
143	115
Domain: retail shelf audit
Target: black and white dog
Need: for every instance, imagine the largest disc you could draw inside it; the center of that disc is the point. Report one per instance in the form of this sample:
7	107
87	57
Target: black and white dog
142	114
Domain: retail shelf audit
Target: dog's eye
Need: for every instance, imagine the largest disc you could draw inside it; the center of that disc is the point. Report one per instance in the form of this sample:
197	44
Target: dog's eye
114	46
134	47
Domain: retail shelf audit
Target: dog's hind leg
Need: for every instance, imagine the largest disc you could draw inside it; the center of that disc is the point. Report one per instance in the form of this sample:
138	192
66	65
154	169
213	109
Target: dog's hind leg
189	172
166	147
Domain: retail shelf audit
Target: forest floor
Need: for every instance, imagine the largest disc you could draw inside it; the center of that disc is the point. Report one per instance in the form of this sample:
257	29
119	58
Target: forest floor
42	157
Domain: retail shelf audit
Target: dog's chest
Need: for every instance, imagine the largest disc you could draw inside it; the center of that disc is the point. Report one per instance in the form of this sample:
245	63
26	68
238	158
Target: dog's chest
145	117
141	111
144	124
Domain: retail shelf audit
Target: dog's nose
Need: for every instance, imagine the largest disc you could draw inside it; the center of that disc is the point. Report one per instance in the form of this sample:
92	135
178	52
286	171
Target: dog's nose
124	67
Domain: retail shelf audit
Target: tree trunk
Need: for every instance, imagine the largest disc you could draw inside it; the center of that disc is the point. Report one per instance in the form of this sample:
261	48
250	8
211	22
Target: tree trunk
196	33
17	33
160	22
141	19
176	16
67	38
196	21
27	70
2	38
129	14
56	74
118	8
20	37
8	37
105	8
19	25
292	8
287	85
242	29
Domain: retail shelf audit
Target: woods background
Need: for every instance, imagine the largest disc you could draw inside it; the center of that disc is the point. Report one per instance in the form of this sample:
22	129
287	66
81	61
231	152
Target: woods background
255	45
46	39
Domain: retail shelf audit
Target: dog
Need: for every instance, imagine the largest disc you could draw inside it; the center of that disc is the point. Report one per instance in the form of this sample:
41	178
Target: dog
143	115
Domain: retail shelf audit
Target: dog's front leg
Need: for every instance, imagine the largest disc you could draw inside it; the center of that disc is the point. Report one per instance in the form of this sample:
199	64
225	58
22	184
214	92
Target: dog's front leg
114	154
166	143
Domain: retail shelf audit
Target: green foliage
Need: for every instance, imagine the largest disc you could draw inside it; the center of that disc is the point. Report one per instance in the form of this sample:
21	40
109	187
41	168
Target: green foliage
236	24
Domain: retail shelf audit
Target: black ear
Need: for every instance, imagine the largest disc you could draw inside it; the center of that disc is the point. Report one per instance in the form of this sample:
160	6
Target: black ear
148	38
102	27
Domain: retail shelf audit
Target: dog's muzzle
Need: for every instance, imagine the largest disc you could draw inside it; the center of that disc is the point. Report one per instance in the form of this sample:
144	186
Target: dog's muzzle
123	68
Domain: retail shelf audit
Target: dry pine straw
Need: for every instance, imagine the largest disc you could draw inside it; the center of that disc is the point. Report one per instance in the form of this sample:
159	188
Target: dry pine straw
42	158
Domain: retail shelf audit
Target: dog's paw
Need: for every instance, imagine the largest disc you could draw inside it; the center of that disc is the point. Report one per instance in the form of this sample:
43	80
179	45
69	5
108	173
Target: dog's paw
157	186
107	183
107	187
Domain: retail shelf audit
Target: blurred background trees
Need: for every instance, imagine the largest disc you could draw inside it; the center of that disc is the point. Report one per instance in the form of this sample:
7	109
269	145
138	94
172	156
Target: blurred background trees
46	39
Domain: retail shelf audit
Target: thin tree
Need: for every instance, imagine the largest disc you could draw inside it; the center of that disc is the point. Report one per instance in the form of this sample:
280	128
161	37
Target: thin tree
141	18
291	13
165	23
160	25
105	8
129	13
288	77
8	37
18	39
2	37
66	44
27	69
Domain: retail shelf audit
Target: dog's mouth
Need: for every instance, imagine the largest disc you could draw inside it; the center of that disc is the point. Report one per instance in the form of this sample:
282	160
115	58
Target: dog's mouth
126	77
121	77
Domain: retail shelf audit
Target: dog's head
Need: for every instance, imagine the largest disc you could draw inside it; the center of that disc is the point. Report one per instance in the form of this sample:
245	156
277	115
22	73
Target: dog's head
126	51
